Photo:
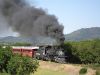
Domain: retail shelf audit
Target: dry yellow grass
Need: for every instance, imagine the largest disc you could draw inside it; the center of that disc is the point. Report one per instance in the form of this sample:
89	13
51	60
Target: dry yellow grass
66	68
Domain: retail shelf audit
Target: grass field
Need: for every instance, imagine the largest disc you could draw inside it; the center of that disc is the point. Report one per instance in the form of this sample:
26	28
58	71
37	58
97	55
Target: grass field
49	68
49	72
44	72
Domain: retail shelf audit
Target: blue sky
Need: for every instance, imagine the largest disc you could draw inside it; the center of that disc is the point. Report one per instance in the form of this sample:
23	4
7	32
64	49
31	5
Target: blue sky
73	14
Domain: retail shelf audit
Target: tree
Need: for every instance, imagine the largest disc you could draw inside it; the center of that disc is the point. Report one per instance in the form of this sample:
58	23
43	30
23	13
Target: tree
19	65
5	55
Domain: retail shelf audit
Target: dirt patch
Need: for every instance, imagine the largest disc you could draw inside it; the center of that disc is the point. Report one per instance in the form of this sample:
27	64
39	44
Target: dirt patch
68	68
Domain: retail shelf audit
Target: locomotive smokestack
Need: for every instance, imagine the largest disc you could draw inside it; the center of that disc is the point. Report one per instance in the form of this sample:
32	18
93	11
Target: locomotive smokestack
31	21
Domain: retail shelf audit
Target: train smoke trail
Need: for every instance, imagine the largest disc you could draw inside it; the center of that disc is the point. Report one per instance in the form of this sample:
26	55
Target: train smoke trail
31	21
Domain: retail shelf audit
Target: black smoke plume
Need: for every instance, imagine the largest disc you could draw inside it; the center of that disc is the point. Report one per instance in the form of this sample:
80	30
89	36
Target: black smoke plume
31	21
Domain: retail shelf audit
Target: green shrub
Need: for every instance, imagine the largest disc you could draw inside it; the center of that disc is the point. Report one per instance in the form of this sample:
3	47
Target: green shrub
5	55
15	64
97	72
22	65
83	71
86	51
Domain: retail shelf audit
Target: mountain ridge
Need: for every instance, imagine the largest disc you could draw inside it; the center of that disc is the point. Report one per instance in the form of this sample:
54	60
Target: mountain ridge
33	40
83	34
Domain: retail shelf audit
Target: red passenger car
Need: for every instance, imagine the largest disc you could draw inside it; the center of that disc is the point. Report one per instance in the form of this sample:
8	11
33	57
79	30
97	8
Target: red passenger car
25	51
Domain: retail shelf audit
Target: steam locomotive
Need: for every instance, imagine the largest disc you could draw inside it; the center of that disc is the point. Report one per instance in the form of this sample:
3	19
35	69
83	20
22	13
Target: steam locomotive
51	53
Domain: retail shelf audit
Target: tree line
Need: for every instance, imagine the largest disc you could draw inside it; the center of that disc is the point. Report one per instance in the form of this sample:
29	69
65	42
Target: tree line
83	51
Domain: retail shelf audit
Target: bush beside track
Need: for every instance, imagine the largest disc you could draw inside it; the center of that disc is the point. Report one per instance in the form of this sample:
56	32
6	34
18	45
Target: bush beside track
16	64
